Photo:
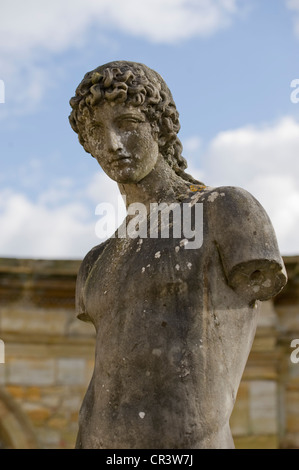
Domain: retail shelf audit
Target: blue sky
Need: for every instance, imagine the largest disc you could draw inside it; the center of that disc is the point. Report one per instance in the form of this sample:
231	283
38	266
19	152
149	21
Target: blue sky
229	65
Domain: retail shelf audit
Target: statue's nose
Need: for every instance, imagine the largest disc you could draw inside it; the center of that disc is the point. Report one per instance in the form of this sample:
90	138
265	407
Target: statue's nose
114	141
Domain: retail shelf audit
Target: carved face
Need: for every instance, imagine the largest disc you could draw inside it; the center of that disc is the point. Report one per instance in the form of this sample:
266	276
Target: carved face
121	139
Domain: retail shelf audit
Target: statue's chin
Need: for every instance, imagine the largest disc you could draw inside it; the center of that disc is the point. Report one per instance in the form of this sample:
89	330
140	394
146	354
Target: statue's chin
128	177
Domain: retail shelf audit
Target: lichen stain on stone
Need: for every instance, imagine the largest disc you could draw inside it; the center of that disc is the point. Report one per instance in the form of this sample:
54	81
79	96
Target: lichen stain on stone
213	196
157	352
139	243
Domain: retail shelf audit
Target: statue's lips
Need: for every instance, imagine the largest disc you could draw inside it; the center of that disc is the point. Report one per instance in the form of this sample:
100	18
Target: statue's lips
121	158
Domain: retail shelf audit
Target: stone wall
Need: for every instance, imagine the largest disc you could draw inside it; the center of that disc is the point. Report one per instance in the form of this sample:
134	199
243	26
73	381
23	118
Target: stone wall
266	413
48	352
287	308
49	362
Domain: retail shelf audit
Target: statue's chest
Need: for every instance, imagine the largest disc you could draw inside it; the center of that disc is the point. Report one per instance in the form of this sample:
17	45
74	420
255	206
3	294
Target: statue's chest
131	273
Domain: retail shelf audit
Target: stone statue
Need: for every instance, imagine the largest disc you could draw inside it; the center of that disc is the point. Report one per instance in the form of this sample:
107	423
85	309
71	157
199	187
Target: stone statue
174	322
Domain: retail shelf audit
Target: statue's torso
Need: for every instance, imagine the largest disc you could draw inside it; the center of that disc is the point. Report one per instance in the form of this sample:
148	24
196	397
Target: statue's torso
165	369
173	337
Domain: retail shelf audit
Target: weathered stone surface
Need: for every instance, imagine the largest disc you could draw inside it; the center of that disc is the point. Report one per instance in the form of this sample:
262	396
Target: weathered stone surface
65	399
174	325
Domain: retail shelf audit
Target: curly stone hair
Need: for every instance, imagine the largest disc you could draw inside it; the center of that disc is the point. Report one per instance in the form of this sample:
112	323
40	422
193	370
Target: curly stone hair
137	84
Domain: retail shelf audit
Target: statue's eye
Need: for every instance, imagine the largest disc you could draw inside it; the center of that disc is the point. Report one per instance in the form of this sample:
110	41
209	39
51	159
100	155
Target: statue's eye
129	122
133	119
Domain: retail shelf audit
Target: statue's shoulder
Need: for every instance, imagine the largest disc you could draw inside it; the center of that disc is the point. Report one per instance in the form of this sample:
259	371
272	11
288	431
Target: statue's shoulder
231	200
246	242
83	273
223	193
89	261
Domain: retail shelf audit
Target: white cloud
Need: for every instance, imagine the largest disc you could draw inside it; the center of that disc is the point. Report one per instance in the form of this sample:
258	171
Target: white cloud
294	6
60	223
243	153
31	229
51	26
32	31
109	204
168	21
263	160
101	187
58	25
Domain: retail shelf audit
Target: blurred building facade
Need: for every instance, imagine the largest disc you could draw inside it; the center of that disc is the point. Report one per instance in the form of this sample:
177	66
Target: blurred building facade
49	357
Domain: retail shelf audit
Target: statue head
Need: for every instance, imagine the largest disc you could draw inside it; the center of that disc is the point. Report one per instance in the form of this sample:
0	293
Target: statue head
139	86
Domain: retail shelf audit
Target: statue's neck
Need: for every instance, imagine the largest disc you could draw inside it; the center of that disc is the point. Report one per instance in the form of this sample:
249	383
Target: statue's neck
162	184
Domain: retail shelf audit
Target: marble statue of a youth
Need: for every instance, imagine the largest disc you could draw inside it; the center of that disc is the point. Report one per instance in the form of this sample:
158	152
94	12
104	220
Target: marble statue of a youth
174	326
